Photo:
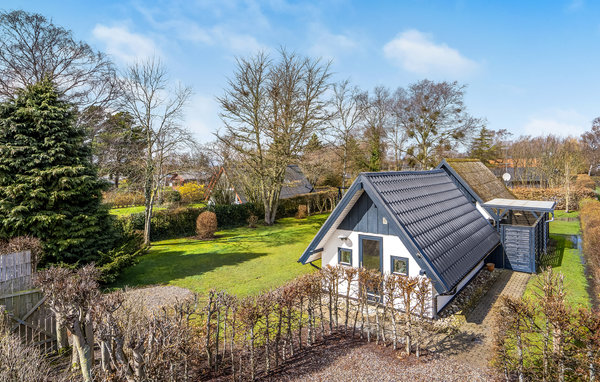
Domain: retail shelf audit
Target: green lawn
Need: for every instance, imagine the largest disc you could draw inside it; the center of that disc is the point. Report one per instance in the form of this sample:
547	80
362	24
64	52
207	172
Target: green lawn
243	261
566	259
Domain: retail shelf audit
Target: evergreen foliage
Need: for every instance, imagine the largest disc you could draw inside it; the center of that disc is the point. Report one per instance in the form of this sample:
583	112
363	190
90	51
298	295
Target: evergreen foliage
483	146
48	186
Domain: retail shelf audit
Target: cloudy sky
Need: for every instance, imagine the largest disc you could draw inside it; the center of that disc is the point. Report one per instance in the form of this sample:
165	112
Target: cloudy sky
531	67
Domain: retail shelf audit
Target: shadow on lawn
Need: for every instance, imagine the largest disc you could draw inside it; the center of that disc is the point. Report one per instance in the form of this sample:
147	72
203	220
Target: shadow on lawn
163	267
554	257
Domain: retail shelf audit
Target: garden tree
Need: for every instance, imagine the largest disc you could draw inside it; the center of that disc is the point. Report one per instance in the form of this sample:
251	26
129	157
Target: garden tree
591	145
482	146
572	161
397	135
32	48
48	186
377	121
524	155
435	118
118	147
158	111
349	105
318	162
270	109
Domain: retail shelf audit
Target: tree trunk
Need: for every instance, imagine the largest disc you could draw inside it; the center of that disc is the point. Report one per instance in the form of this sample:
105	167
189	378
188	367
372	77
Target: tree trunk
83	351
105	356
61	332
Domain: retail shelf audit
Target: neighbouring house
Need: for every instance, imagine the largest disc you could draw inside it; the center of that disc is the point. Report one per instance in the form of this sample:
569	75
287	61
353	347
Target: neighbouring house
413	223
523	225
295	183
179	179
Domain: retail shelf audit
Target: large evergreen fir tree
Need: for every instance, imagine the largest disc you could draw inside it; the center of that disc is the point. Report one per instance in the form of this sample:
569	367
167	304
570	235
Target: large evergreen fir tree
48	186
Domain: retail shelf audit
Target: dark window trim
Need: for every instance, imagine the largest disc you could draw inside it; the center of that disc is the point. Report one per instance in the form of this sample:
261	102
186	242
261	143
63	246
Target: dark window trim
340	249
360	249
392	258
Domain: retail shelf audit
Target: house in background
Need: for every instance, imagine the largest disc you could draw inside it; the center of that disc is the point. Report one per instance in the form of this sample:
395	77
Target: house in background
523	225
411	223
179	179
295	183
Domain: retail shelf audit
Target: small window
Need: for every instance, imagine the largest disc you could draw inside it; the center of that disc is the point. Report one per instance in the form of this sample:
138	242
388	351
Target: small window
400	265
345	256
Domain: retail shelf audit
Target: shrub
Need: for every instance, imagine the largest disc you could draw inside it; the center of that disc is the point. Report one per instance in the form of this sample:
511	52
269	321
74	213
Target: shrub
590	227
191	192
302	211
206	225
127	253
252	221
171	196
123	198
585	181
234	215
24	243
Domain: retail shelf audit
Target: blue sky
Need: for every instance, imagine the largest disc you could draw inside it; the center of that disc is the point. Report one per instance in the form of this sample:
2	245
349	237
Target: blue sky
531	67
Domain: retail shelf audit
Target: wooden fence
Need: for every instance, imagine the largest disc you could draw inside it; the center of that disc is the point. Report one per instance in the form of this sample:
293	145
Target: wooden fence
28	314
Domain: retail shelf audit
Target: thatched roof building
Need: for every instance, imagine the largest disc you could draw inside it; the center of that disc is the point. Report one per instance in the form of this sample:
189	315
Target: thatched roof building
478	177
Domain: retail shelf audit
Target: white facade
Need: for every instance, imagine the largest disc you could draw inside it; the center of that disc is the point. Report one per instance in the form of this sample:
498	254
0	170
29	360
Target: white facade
392	246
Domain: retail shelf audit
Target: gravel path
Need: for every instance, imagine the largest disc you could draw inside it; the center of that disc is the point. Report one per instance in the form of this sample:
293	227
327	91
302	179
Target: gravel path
153	298
353	360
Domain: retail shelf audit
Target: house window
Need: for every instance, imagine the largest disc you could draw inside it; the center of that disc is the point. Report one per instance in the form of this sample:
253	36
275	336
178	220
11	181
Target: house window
345	256
400	265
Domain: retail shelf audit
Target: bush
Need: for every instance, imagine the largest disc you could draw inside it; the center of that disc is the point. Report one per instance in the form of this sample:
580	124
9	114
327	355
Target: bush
234	215
127	253
206	225
191	193
585	181
302	211
24	243
122	198
171	196
252	221
590	226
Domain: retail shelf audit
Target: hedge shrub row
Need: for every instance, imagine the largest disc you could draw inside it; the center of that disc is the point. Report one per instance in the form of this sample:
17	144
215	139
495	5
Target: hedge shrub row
589	215
555	194
181	222
315	202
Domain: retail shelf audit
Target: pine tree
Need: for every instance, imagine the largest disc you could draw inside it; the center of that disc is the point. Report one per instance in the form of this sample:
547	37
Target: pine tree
48	186
483	146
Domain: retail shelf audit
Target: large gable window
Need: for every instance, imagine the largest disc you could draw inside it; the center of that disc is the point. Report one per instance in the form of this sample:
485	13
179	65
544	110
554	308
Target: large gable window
345	256
400	265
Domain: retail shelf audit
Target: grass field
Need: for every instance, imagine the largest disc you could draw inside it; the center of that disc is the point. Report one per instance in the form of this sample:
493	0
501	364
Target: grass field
567	259
243	261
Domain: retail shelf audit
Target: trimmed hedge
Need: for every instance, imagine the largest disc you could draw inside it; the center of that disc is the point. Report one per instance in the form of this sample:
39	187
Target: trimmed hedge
555	194
181	222
589	217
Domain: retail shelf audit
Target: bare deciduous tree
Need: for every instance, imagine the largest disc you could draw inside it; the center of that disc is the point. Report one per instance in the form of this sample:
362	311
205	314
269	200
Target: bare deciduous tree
158	110
434	117
349	105
32	47
270	110
591	145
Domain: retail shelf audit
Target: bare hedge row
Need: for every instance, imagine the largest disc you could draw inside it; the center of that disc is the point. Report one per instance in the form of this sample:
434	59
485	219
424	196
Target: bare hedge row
545	338
590	225
221	335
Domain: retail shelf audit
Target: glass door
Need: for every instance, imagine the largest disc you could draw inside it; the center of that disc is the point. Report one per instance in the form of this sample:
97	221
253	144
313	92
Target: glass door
371	253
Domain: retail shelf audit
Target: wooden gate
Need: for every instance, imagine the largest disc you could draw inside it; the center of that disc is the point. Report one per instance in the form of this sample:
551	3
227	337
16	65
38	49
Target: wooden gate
28	315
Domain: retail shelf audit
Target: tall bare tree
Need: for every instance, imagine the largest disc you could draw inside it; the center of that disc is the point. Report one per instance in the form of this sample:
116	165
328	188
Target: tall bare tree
591	145
377	121
349	105
270	109
434	117
158	110
32	47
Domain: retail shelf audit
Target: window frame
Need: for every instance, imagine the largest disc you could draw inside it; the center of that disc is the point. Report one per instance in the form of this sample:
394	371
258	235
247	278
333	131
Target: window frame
340	249
405	259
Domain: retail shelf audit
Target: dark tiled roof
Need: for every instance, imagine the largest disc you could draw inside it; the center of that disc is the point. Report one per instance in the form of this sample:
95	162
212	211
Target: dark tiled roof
295	183
481	179
452	234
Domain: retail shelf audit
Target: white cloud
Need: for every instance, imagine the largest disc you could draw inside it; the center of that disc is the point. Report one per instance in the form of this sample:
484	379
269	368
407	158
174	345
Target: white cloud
123	45
330	45
202	117
558	122
417	52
